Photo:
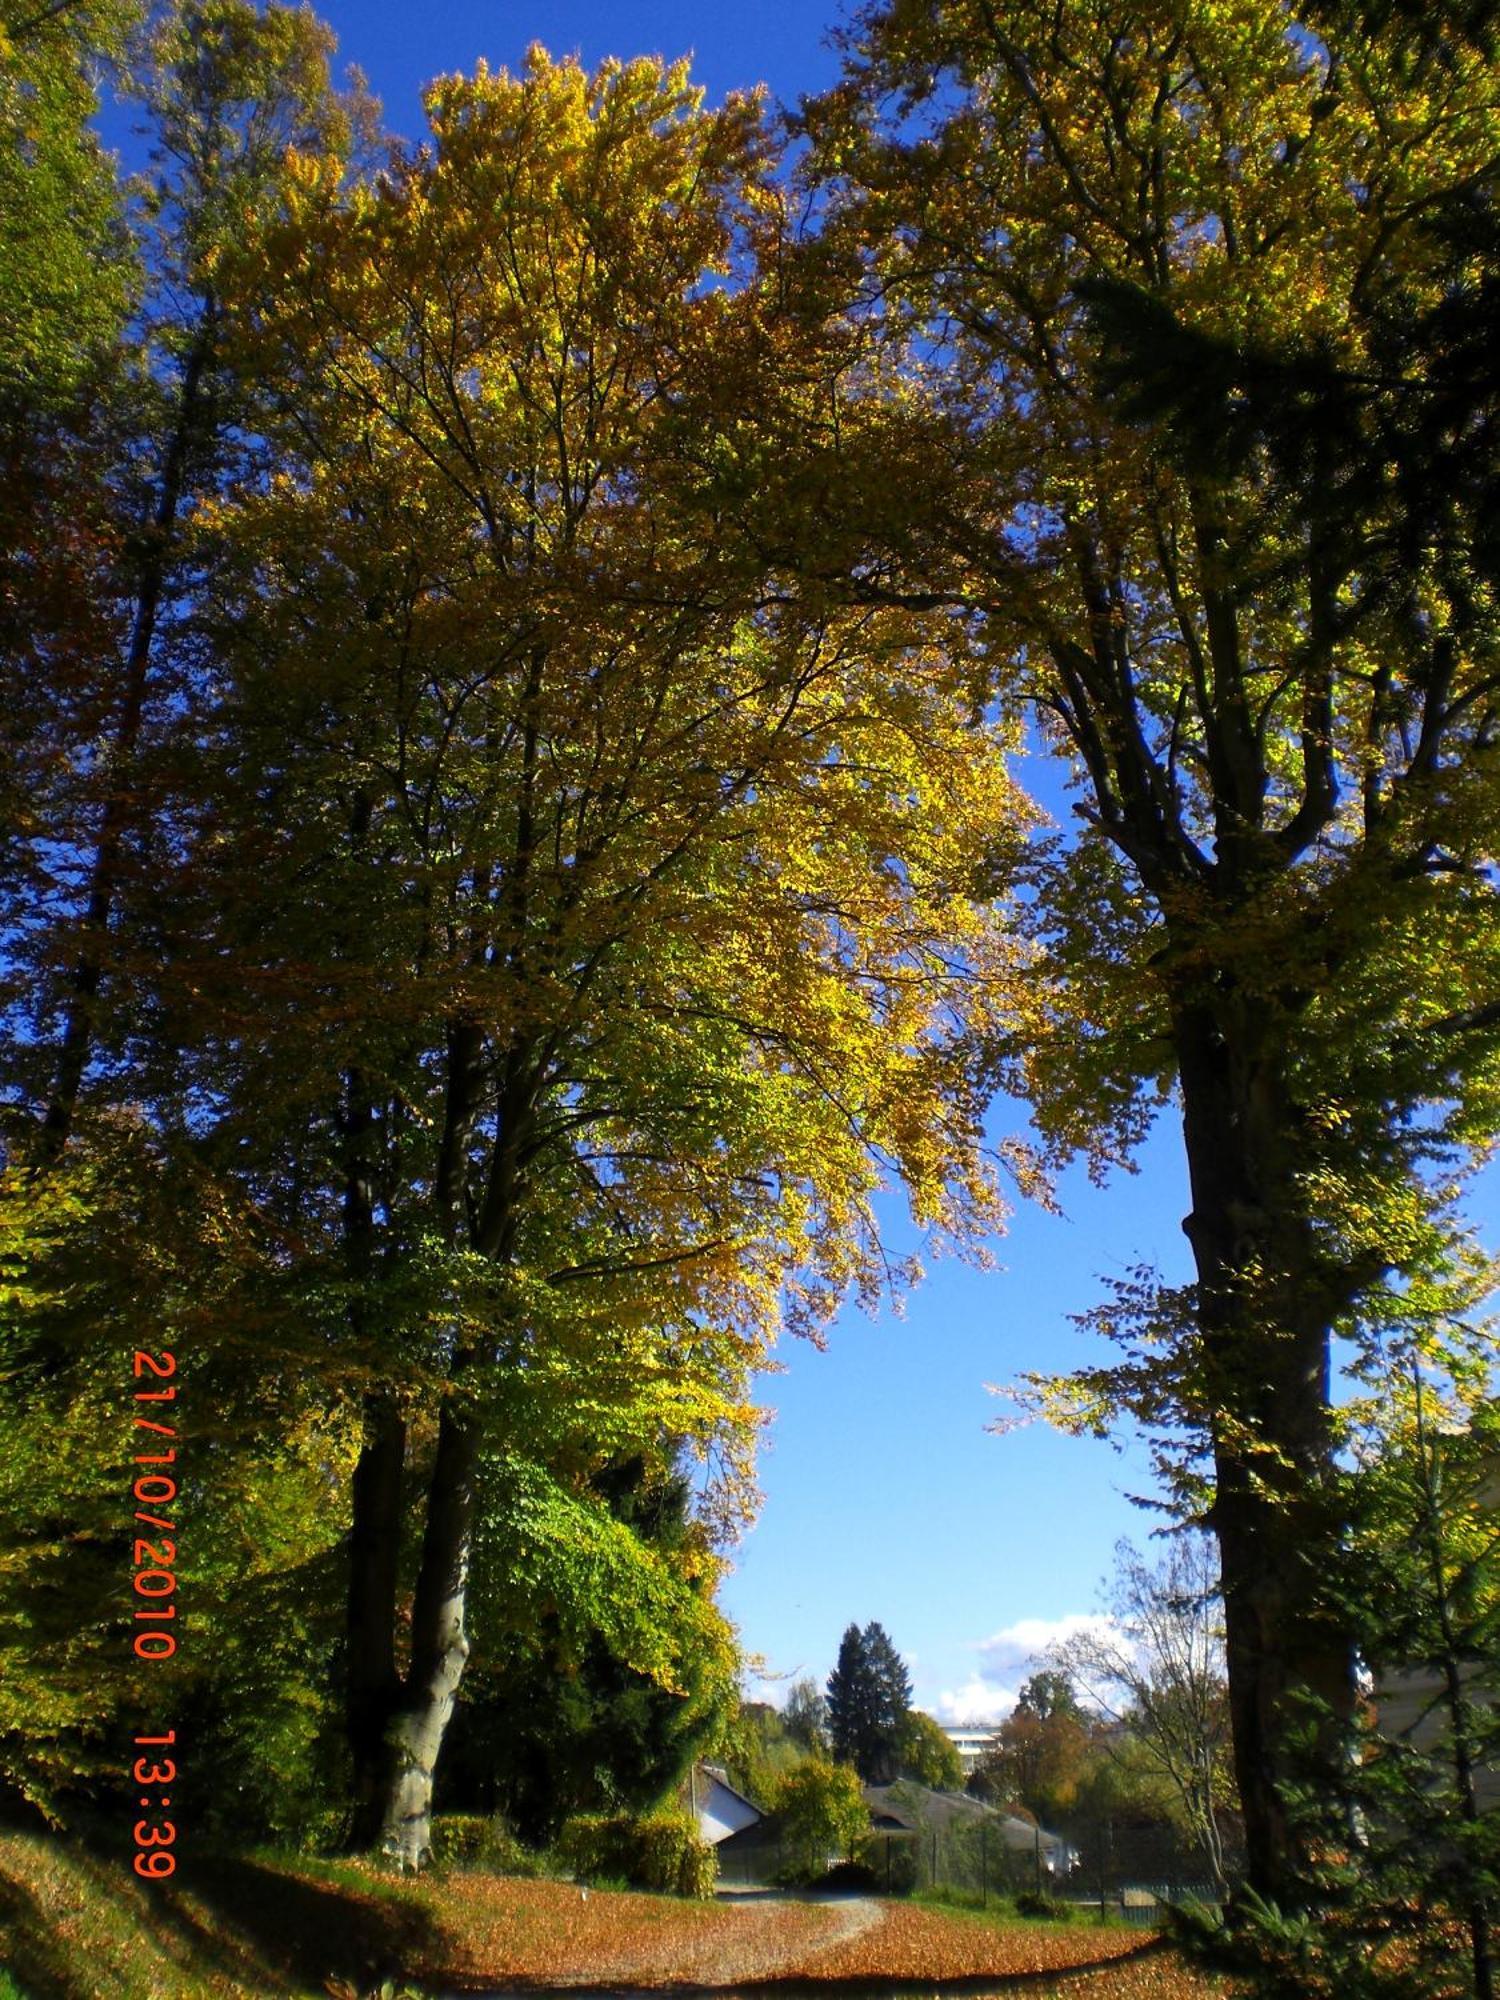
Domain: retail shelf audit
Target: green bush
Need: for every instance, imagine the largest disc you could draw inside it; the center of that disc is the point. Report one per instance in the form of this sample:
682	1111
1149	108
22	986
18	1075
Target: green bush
469	1840
657	1851
1032	1903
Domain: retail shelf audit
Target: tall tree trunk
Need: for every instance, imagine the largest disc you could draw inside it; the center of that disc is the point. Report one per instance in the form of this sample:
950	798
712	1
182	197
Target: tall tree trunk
1266	1302
373	1682
439	1642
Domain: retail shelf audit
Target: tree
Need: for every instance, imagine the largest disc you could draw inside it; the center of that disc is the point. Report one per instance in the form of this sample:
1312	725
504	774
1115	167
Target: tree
575	926
822	1813
1276	905
115	1237
65	267
1041	1753
554	1722
228	90
1405	1900
869	1695
925	1752
757	1750
1158	1671
806	1716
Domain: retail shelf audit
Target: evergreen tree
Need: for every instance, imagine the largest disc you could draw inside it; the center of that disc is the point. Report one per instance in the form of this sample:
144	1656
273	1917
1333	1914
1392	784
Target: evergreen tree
869	1695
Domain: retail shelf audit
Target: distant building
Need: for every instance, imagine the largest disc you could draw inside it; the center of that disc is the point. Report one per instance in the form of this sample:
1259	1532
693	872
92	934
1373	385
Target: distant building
970	1741
917	1811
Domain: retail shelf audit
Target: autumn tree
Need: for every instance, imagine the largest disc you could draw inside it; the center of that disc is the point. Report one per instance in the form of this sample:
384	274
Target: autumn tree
1041	1754
1274	692
822	1815
94	675
114	1235
578	925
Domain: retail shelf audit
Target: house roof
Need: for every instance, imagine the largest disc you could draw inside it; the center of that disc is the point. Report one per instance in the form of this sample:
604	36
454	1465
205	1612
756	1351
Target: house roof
907	1807
720	1810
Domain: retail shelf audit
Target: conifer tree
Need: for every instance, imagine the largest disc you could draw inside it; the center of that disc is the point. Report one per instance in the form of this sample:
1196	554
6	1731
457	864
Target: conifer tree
869	1696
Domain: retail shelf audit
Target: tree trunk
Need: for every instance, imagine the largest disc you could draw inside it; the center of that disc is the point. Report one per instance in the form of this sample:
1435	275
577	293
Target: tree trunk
1266	1301
439	1644
372	1683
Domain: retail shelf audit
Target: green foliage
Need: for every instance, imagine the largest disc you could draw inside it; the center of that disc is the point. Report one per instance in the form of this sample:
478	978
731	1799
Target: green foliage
482	1843
1032	1903
822	1813
607	1665
925	1752
757	1749
659	1851
1404	1892
66	269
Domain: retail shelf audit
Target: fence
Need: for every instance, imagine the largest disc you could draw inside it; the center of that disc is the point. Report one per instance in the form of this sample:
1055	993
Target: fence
1122	1874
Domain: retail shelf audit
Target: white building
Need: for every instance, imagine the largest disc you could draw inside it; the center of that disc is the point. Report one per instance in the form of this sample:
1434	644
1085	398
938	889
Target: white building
970	1740
717	1807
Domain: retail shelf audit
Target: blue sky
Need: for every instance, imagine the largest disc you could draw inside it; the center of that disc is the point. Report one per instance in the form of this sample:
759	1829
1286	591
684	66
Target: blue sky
886	1497
400	46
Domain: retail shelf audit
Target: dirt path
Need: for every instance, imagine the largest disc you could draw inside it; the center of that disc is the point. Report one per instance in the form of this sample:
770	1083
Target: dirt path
764	1936
852	1917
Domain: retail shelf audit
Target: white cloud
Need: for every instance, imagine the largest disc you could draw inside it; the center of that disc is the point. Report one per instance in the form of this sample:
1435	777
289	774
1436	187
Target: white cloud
978	1700
1016	1646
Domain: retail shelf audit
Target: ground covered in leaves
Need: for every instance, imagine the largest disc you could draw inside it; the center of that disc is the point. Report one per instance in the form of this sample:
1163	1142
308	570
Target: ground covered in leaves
75	1924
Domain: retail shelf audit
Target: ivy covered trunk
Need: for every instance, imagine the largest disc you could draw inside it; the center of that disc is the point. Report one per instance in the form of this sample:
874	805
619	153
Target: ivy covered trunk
1266	1300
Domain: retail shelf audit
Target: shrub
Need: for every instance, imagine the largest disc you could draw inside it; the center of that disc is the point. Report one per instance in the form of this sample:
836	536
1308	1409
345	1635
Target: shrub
657	1851
468	1840
1032	1903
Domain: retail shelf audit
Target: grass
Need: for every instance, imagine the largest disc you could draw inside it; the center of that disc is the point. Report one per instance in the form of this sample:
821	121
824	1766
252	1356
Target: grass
1001	1909
77	1925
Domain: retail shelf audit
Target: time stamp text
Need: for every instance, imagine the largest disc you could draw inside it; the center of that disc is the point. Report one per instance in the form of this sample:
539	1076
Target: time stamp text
155	1435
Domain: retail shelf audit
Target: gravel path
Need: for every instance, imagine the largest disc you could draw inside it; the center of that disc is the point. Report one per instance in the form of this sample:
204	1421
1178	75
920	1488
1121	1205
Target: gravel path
768	1934
852	1917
